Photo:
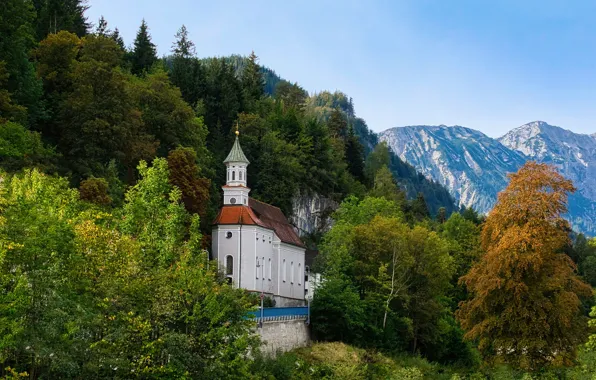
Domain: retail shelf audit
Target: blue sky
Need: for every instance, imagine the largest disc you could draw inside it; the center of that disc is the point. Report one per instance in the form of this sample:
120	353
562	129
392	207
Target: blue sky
487	65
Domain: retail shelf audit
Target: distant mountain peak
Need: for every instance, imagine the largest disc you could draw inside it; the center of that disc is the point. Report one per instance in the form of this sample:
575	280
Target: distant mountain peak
474	167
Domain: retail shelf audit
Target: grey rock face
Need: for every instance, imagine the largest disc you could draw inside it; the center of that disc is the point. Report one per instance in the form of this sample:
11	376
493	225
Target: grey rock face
312	213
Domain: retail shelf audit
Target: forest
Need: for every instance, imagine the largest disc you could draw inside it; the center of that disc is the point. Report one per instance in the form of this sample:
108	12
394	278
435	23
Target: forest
110	174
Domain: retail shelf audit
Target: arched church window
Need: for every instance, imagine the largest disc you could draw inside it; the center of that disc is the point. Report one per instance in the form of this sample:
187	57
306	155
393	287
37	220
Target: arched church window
240	175
233	175
229	265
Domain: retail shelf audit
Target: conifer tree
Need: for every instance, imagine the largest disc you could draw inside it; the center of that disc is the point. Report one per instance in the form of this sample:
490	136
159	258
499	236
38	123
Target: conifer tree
419	207
144	53
525	307
253	86
56	15
183	46
118	38
102	27
187	72
338	125
18	77
355	156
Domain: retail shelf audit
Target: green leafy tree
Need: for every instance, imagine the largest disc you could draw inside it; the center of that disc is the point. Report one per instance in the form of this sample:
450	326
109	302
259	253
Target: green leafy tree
20	148
384	186
144	53
377	159
95	190
166	116
40	303
292	95
99	118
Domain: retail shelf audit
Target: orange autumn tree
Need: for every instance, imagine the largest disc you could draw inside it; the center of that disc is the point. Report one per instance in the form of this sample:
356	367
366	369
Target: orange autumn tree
525	303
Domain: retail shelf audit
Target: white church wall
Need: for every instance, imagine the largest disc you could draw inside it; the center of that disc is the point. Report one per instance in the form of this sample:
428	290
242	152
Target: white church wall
291	277
225	246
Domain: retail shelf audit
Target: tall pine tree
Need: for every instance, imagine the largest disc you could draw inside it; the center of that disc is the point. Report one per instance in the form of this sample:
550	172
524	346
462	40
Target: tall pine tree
355	156
16	41
102	27
56	15
187	72
253	86
144	53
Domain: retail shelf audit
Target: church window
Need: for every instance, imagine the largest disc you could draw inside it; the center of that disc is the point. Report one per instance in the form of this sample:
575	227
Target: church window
299	273
233	175
284	270
228	175
229	265
292	272
240	175
270	269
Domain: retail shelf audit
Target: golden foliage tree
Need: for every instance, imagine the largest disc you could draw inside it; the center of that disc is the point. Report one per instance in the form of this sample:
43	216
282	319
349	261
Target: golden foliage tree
524	307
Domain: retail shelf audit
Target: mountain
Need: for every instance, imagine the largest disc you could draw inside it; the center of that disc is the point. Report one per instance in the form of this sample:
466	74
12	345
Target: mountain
474	167
573	154
407	177
471	165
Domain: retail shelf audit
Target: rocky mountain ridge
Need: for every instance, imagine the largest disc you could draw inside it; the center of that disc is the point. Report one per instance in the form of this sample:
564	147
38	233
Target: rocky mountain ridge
474	166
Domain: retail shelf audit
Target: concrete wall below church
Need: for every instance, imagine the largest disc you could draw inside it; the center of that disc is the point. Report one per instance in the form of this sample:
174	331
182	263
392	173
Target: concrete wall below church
283	336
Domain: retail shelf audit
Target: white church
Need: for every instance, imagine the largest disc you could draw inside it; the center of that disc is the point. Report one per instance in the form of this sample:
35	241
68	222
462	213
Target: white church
258	249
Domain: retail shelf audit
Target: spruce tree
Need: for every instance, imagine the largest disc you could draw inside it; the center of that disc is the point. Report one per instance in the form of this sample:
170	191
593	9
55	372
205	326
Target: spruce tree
183	46
338	125
102	27
144	54
419	207
253	86
56	15
118	38
355	156
16	41
187	72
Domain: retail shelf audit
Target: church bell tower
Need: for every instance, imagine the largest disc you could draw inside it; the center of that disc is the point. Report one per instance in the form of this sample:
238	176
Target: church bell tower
235	189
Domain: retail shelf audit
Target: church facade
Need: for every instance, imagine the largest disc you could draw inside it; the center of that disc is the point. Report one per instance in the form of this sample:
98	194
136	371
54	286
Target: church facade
253	242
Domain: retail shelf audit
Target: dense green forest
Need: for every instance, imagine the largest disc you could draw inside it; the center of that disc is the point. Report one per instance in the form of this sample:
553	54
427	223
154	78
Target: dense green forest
110	173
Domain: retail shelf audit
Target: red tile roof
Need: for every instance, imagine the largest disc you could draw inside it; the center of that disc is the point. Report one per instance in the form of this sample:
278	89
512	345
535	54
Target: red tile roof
260	214
230	214
276	220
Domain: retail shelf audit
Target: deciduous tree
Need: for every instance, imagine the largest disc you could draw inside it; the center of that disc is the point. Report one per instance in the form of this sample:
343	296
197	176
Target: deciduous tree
525	297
